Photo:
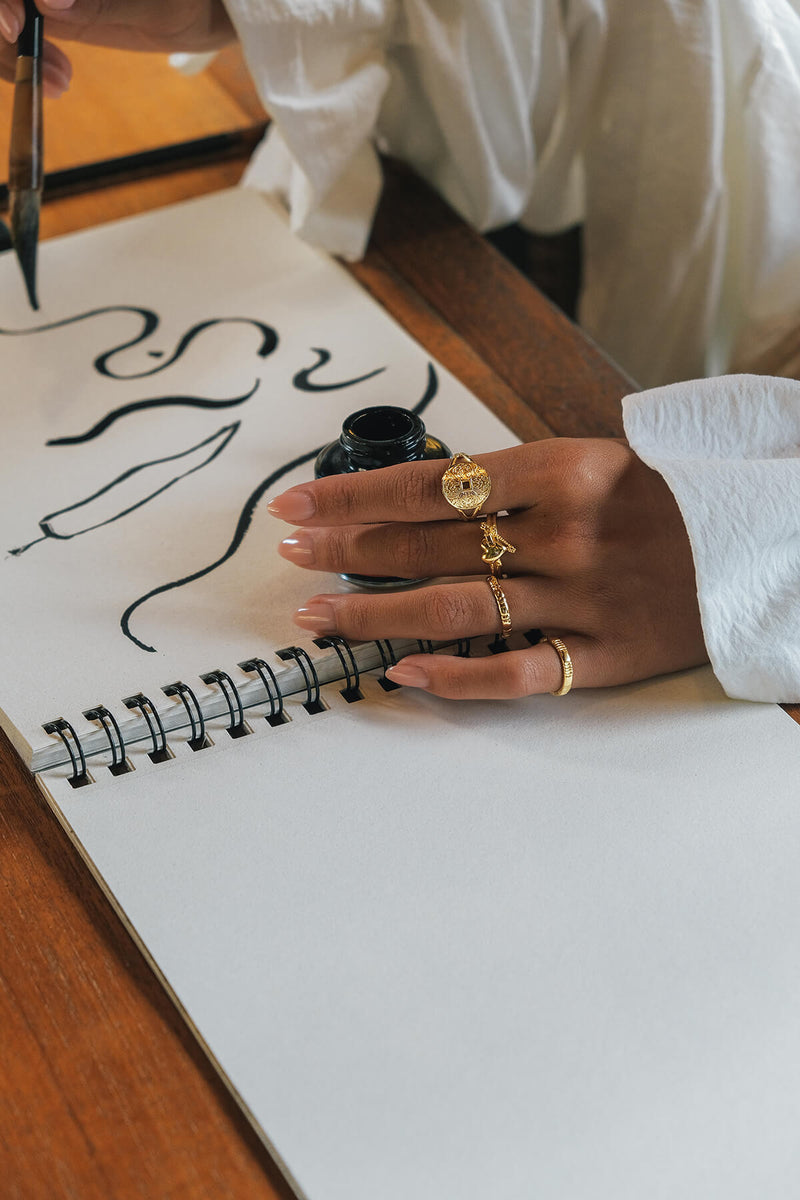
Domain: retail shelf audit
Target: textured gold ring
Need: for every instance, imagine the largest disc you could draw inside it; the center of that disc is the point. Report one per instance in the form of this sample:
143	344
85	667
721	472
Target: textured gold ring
466	486
494	546
566	664
502	605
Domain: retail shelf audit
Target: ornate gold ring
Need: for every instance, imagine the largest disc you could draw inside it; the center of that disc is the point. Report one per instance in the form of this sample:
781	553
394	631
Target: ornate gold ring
466	486
566	664
502	605
494	546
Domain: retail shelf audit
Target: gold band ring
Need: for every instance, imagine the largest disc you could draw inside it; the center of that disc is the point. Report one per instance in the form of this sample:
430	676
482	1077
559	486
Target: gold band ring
566	664
502	605
494	546
466	486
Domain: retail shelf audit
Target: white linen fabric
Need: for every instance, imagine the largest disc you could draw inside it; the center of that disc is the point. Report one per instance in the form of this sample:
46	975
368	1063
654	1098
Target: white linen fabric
670	129
728	449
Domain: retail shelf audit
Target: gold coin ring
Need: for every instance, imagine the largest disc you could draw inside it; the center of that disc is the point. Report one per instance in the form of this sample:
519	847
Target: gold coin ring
566	664
466	486
502	605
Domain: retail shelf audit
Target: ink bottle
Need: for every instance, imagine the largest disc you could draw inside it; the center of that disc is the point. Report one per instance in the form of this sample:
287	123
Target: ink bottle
378	437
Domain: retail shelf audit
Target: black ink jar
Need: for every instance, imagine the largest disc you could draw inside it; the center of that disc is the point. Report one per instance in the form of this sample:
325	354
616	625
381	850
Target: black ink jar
378	437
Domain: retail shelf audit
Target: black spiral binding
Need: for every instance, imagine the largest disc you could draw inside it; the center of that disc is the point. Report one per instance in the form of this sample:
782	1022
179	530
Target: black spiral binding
71	740
237	727
388	659
276	715
198	739
161	751
312	703
351	691
119	764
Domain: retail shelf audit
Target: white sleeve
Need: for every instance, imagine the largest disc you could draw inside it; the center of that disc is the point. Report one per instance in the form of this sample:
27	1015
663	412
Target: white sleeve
729	449
320	70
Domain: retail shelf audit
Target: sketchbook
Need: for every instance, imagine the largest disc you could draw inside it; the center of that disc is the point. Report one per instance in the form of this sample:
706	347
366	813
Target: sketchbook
543	948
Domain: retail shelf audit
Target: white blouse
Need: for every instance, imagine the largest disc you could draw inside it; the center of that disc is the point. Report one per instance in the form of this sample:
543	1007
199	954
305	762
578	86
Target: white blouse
672	131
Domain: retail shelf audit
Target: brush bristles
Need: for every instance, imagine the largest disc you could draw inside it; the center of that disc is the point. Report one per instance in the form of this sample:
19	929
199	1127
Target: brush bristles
24	223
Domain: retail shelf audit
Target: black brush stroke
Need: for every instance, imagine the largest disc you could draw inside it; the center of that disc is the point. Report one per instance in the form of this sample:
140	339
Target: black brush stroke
140	406
242	526
150	323
44	524
245	518
302	379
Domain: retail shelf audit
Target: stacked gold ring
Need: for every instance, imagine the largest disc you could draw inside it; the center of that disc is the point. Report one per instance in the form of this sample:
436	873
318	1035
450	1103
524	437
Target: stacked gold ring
494	546
502	606
566	664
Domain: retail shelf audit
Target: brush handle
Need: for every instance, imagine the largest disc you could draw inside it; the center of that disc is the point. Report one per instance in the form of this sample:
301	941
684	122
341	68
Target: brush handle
26	165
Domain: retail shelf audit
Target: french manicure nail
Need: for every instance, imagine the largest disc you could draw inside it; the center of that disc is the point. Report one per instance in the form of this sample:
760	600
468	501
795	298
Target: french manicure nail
408	676
298	549
294	505
9	24
318	618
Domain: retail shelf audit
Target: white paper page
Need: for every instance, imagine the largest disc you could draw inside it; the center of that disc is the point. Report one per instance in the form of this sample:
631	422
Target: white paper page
228	259
542	949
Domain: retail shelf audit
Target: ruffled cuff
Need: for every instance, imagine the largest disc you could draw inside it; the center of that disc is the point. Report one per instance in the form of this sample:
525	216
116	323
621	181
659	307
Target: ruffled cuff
320	71
729	449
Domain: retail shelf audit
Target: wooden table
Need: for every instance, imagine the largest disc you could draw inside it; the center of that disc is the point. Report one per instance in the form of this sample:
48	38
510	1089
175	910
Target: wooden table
103	1091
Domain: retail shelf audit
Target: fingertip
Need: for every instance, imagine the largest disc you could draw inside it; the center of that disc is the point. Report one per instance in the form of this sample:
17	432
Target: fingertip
10	21
408	675
56	5
295	506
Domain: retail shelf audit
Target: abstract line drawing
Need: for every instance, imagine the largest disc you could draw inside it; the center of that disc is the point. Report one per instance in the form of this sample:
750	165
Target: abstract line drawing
150	322
137	406
302	380
244	521
63	523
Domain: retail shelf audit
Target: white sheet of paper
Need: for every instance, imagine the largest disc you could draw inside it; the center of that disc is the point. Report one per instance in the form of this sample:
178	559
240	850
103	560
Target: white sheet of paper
548	948
226	257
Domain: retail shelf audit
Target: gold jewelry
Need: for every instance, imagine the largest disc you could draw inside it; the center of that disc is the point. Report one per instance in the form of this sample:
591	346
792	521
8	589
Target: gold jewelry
566	664
494	546
502	605
466	486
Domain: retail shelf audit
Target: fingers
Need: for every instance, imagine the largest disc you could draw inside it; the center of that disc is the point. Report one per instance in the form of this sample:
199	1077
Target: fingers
501	676
56	67
440	612
409	492
420	550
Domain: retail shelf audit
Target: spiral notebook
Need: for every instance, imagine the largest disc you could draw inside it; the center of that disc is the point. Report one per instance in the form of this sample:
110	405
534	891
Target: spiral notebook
546	948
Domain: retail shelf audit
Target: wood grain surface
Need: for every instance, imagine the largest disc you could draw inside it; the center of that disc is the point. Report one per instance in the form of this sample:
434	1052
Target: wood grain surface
103	1091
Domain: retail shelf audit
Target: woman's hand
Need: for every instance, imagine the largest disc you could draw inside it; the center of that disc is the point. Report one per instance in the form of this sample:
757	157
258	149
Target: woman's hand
602	561
158	25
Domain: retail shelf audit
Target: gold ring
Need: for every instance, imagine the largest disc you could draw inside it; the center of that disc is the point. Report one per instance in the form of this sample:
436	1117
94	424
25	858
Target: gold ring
494	546
466	486
566	664
502	605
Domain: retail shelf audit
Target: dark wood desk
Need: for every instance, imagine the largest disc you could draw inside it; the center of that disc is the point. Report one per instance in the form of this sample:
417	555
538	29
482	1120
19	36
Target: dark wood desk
103	1091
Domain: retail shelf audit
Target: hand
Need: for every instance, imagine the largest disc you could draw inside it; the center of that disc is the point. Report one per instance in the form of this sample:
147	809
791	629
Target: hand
158	25
602	561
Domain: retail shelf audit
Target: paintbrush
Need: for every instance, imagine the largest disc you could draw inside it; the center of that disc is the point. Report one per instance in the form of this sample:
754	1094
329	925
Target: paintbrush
25	173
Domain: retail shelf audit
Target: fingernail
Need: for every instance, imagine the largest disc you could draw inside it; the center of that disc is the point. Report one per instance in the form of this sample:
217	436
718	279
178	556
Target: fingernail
59	4
10	26
55	81
294	505
298	549
319	618
408	676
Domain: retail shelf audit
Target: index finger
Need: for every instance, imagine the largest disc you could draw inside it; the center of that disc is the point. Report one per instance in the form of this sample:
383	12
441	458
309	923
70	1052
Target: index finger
406	492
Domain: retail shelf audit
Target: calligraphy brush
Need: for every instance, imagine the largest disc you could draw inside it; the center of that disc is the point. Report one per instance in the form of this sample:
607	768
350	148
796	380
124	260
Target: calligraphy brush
25	173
